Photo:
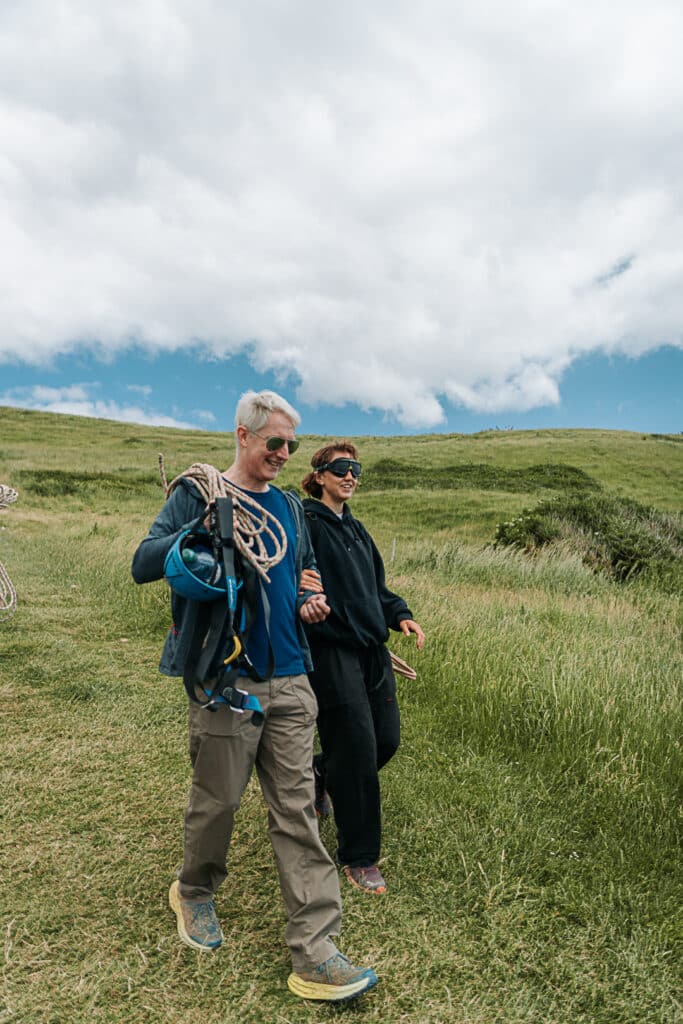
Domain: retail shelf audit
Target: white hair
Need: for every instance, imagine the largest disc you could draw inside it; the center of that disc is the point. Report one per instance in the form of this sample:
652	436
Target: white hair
254	408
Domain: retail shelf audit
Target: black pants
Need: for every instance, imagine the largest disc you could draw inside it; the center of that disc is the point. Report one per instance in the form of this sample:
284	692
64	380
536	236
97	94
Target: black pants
359	729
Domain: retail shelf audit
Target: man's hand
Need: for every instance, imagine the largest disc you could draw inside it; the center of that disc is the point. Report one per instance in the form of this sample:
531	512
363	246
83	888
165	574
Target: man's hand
408	626
314	609
310	580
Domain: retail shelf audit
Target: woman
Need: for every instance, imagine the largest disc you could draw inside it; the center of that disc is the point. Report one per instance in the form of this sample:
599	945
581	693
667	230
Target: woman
358	717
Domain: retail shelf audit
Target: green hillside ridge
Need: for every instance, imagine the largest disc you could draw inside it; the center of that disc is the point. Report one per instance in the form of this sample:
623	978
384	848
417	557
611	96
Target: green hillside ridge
531	815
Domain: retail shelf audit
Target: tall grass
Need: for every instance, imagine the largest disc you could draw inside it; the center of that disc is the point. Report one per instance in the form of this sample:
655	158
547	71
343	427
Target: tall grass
532	814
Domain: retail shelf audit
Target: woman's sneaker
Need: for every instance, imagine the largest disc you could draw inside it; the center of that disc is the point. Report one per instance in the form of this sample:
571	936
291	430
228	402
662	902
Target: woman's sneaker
369	879
197	922
335	980
323	805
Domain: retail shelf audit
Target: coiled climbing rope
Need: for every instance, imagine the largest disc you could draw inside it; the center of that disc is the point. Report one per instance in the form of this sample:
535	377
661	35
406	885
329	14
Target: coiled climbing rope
252	522
8	595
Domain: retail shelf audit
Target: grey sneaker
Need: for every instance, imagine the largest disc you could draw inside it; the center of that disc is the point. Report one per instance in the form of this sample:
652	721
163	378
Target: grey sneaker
197	922
335	980
368	879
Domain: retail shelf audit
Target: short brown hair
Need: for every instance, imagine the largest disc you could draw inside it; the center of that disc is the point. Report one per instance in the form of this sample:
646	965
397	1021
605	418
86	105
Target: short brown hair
319	458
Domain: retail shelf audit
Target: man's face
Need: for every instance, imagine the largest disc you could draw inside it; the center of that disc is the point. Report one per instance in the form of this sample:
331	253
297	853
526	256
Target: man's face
261	464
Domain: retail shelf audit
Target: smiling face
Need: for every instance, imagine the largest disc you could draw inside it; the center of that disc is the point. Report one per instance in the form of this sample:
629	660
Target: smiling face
256	465
336	489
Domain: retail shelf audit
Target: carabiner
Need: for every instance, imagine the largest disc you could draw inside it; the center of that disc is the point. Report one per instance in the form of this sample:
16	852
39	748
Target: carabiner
236	651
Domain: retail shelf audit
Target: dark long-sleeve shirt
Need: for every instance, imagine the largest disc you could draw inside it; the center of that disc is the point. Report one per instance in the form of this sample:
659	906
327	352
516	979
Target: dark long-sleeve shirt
352	570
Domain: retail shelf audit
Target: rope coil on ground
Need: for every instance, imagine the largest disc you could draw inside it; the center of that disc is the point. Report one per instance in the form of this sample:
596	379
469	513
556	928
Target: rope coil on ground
252	522
8	595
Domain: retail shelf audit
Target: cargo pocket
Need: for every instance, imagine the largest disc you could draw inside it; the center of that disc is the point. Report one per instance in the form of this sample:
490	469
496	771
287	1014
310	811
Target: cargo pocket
222	722
305	698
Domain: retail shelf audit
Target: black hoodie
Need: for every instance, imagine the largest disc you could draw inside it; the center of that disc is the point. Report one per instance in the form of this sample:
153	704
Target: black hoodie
363	607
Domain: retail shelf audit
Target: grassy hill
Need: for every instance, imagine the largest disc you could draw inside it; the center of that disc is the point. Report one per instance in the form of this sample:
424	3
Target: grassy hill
532	813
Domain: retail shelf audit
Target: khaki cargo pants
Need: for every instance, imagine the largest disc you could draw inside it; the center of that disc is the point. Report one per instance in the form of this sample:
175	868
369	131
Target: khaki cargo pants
224	747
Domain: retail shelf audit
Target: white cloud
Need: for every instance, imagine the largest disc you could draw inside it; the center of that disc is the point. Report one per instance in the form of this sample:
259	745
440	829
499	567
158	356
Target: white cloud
398	204
76	401
140	389
47	395
205	415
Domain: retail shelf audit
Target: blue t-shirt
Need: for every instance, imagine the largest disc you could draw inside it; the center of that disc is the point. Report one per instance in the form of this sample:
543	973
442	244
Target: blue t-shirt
281	593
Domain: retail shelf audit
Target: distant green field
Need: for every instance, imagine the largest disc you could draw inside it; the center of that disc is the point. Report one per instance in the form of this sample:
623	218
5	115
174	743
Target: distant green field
532	814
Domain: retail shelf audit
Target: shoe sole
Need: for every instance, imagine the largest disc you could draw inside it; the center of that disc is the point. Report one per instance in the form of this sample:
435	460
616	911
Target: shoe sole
174	904
323	806
363	888
330	993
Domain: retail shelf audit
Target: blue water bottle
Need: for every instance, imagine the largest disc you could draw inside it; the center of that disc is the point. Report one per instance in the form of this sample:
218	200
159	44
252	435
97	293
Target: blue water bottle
202	563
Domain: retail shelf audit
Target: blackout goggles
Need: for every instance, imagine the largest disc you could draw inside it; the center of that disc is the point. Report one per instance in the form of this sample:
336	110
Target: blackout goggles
274	443
340	467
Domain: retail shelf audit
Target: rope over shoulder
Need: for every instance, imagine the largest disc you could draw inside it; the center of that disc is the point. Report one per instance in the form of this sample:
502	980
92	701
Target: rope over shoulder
252	522
8	595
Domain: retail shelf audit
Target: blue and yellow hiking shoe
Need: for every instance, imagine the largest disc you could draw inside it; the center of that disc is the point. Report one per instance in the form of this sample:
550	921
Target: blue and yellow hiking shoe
336	980
197	922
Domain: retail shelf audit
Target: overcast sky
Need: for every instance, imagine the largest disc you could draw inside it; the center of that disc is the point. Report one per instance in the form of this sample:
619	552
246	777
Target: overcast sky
403	206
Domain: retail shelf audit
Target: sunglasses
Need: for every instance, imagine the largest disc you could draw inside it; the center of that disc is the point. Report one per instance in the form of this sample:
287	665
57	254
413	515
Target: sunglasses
340	467
274	443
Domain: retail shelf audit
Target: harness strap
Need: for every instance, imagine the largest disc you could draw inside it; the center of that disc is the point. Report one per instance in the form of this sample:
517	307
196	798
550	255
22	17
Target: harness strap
217	622
224	536
237	700
216	626
223	531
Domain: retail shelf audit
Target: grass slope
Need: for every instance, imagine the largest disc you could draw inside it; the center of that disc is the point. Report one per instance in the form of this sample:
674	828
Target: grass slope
532	814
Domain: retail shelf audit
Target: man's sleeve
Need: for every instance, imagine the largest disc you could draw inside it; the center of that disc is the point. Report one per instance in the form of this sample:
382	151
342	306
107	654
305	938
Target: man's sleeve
181	512
307	559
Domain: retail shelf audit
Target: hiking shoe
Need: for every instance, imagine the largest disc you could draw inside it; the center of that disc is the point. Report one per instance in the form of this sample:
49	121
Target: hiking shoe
369	879
335	980
323	804
197	922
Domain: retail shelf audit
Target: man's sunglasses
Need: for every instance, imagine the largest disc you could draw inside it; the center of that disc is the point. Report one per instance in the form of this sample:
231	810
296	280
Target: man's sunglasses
274	443
340	467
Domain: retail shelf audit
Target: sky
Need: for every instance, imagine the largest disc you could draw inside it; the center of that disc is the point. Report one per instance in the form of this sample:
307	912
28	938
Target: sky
406	218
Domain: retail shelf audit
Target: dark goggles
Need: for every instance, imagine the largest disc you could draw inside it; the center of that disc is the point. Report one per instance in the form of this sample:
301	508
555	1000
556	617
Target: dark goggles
340	467
274	443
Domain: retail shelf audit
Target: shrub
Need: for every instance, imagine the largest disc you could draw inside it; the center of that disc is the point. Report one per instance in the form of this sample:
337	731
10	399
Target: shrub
616	535
55	483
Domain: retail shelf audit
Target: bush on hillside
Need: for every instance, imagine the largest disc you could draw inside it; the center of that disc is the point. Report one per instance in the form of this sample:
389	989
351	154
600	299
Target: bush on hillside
616	535
56	483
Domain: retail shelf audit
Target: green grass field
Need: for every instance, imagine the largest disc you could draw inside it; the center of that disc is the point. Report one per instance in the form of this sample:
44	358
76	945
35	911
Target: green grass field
532	814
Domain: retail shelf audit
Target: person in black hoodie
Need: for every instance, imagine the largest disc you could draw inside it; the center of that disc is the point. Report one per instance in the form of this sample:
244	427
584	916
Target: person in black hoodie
358	716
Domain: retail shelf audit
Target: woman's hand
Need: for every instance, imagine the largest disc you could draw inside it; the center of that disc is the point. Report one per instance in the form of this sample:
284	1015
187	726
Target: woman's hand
310	580
408	626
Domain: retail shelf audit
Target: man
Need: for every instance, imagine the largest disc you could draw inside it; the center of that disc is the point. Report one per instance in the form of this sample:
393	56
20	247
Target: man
225	745
358	718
